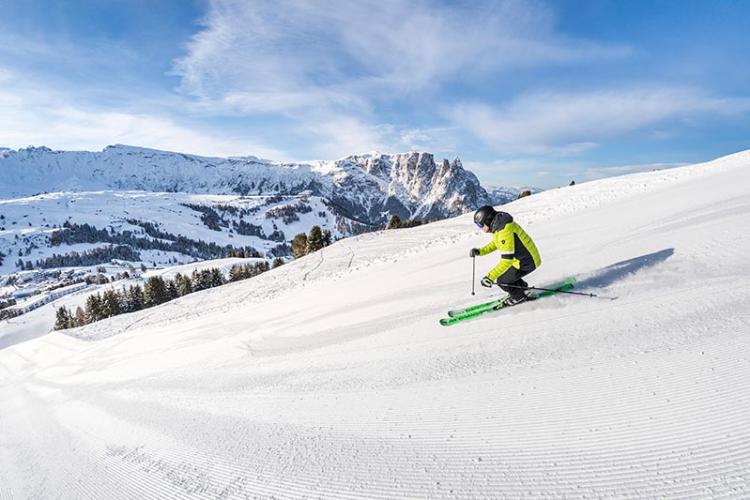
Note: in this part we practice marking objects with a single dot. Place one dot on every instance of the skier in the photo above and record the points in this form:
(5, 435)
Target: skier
(519, 255)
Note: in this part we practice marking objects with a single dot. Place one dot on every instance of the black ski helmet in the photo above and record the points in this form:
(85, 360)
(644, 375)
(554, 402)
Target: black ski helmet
(484, 216)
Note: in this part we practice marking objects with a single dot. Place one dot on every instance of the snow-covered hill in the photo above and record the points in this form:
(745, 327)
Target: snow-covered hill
(367, 188)
(158, 228)
(330, 377)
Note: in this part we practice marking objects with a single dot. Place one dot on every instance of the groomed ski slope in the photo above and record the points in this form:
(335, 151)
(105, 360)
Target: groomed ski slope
(331, 378)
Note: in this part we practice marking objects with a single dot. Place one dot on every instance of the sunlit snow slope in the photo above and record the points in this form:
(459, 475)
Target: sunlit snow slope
(330, 377)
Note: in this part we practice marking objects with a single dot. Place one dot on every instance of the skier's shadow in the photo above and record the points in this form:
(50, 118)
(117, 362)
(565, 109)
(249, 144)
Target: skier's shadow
(614, 272)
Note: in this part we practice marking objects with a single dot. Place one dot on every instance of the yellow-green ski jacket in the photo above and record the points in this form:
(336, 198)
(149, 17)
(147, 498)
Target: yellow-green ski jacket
(516, 247)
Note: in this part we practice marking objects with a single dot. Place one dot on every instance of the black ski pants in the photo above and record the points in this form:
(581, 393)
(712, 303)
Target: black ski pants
(513, 277)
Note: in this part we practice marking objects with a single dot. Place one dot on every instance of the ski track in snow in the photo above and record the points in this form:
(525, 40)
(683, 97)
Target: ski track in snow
(330, 377)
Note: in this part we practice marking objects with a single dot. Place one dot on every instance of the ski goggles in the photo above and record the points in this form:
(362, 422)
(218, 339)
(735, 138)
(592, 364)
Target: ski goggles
(479, 225)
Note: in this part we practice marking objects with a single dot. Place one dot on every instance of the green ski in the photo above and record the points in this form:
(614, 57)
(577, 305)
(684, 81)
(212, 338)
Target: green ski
(459, 315)
(477, 307)
(564, 285)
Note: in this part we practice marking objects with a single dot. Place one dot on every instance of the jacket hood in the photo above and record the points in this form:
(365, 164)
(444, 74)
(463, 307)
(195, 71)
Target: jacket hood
(500, 220)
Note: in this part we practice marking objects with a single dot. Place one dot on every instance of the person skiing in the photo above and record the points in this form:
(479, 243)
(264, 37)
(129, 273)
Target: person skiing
(519, 255)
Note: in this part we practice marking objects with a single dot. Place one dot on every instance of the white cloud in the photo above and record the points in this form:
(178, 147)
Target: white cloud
(36, 115)
(342, 136)
(292, 54)
(435, 139)
(564, 123)
(330, 61)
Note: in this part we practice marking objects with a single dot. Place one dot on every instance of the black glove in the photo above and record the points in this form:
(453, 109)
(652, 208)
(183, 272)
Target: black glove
(486, 282)
(474, 252)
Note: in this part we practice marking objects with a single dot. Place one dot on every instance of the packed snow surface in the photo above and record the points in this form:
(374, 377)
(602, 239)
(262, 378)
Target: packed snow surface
(331, 377)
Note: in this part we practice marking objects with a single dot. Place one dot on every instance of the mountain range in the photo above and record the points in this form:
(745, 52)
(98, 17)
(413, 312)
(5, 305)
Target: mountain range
(136, 194)
(368, 188)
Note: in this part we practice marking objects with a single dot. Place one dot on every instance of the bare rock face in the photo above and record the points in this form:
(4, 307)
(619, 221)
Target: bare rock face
(414, 186)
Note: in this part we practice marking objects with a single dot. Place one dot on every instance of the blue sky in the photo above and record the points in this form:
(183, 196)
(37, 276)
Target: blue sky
(524, 92)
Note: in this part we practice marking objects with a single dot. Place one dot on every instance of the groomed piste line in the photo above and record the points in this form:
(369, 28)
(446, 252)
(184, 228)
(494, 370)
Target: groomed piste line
(611, 465)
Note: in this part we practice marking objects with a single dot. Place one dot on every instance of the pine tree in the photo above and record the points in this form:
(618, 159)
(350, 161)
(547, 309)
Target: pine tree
(172, 291)
(184, 285)
(524, 194)
(394, 223)
(154, 292)
(63, 319)
(205, 279)
(278, 261)
(201, 280)
(80, 317)
(299, 246)
(93, 308)
(125, 304)
(326, 237)
(135, 298)
(254, 269)
(216, 278)
(236, 273)
(110, 303)
(195, 281)
(315, 240)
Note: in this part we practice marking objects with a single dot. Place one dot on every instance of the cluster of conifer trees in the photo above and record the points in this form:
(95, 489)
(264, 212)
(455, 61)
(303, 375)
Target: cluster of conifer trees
(89, 257)
(72, 233)
(245, 271)
(156, 290)
(302, 244)
(209, 216)
(397, 223)
(288, 213)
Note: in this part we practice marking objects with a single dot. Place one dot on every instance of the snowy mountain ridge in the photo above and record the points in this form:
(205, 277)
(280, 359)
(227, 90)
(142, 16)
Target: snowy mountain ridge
(366, 188)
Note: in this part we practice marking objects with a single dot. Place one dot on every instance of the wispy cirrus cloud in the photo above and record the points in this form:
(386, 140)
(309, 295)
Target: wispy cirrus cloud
(289, 54)
(565, 123)
(327, 62)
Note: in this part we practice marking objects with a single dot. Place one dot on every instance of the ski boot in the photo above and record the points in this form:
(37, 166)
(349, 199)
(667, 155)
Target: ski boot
(511, 301)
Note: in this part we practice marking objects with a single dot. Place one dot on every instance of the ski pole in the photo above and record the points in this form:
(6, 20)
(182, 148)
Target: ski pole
(473, 272)
(593, 295)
